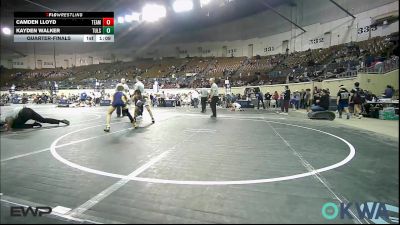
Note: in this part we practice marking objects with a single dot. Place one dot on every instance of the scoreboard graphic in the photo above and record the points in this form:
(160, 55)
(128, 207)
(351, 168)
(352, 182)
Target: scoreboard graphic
(63, 26)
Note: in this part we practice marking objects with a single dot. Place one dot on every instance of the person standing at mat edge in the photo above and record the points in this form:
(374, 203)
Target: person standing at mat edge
(286, 100)
(213, 97)
(260, 98)
(357, 98)
(343, 98)
(20, 115)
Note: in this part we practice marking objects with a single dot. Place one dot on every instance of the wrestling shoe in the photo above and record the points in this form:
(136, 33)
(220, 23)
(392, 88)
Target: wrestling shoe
(66, 122)
(36, 124)
(107, 129)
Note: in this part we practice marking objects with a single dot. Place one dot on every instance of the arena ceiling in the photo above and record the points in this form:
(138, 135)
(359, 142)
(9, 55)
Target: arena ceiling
(175, 28)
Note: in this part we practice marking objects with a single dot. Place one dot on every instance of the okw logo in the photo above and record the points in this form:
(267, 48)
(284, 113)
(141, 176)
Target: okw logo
(376, 212)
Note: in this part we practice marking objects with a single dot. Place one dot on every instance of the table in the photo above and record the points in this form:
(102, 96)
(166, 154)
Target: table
(105, 102)
(170, 102)
(372, 108)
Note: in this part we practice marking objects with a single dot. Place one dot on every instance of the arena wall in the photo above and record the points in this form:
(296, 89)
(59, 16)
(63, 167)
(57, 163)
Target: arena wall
(377, 82)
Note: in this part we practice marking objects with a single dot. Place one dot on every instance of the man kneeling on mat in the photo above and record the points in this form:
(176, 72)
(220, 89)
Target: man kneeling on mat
(119, 100)
(19, 116)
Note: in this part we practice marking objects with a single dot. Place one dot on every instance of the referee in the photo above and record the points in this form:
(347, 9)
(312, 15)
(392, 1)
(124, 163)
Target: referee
(213, 97)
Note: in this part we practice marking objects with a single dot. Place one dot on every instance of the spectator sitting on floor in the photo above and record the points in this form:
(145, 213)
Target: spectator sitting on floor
(236, 107)
(321, 104)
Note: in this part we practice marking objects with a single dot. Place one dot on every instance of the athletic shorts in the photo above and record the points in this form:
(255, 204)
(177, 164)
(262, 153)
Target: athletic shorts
(357, 100)
(118, 105)
(145, 102)
(343, 104)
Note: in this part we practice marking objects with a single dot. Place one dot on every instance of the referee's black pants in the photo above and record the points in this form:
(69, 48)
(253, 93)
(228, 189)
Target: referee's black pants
(203, 104)
(258, 103)
(213, 105)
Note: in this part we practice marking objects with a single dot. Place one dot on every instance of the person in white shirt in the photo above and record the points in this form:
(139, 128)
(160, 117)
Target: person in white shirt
(162, 99)
(213, 97)
(97, 96)
(126, 91)
(195, 97)
(186, 100)
(123, 83)
(140, 86)
(236, 107)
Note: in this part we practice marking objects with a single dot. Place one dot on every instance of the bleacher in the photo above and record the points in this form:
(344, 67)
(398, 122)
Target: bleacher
(196, 65)
(163, 68)
(313, 64)
(222, 65)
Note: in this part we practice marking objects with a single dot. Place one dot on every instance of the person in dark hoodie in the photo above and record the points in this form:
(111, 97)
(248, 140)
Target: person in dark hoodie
(321, 104)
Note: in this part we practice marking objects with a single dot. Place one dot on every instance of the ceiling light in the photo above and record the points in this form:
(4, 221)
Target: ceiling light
(153, 12)
(6, 30)
(128, 18)
(135, 16)
(204, 2)
(182, 5)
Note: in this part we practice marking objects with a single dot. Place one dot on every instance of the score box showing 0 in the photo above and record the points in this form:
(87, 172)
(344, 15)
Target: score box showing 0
(108, 30)
(108, 22)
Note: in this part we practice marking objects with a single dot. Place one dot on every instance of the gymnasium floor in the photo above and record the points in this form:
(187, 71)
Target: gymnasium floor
(243, 167)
